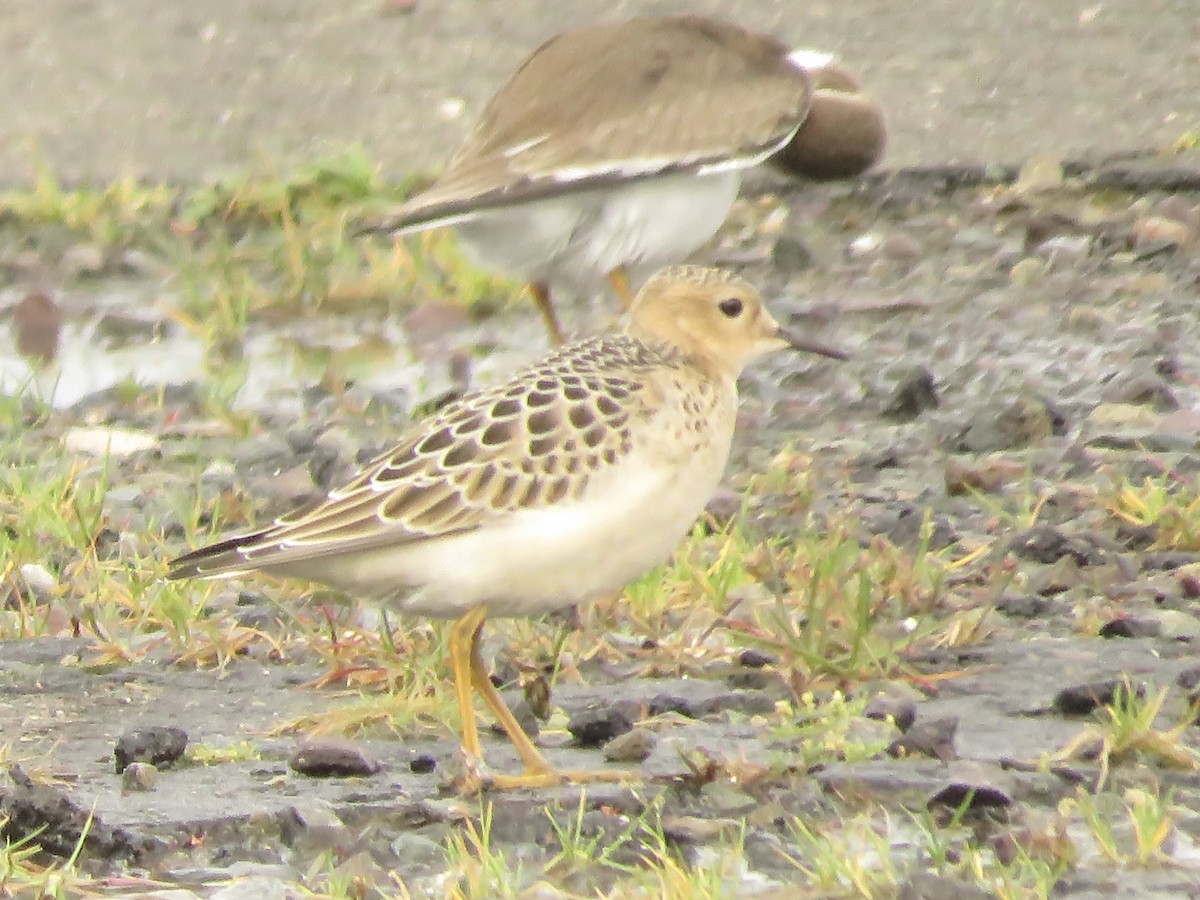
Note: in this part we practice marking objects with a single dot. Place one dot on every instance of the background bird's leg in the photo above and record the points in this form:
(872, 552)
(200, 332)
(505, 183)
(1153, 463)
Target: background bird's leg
(535, 763)
(463, 634)
(541, 299)
(620, 285)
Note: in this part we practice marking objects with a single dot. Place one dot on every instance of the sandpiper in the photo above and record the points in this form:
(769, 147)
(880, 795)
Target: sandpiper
(564, 483)
(619, 148)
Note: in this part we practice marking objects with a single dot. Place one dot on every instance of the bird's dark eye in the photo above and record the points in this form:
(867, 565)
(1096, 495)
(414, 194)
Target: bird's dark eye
(731, 308)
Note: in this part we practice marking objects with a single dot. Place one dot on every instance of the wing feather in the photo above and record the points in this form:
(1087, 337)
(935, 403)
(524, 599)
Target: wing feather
(534, 441)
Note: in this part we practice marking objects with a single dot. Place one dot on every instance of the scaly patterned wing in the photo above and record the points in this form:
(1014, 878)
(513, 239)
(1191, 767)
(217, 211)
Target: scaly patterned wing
(534, 441)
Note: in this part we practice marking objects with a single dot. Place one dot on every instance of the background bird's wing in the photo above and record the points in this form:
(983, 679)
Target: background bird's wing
(616, 102)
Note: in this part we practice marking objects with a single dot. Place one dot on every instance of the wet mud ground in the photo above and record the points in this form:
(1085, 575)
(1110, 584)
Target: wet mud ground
(1022, 352)
(1024, 355)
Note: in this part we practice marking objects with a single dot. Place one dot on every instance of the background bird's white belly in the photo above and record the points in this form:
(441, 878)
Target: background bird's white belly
(541, 560)
(574, 240)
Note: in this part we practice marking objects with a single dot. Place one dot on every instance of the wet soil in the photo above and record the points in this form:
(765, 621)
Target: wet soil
(1017, 351)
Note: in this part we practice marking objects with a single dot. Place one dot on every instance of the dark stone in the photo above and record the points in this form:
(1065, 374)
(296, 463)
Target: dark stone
(665, 703)
(1169, 560)
(422, 765)
(915, 392)
(159, 745)
(755, 659)
(1025, 421)
(752, 680)
(1082, 699)
(1023, 606)
(1047, 544)
(750, 703)
(59, 823)
(1129, 627)
(791, 254)
(933, 738)
(1189, 678)
(596, 726)
(1141, 388)
(333, 757)
(977, 796)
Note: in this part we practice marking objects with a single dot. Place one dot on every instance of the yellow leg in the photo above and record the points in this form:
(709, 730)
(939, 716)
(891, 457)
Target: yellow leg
(620, 285)
(462, 635)
(530, 755)
(541, 299)
(538, 771)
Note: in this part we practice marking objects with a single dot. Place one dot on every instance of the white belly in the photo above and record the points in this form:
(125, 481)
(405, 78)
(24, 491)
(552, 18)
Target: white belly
(573, 241)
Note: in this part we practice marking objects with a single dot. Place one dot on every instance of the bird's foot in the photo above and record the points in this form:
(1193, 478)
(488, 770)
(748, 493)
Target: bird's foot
(467, 775)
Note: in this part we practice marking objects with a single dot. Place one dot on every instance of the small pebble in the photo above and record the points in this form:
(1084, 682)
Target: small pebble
(933, 738)
(333, 757)
(632, 746)
(159, 744)
(422, 765)
(139, 776)
(594, 727)
(755, 659)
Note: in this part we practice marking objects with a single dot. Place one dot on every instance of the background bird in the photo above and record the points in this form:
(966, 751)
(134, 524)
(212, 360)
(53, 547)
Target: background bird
(567, 481)
(619, 147)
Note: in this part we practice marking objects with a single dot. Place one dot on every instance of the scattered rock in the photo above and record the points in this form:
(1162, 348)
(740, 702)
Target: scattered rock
(1082, 699)
(256, 887)
(1189, 678)
(38, 581)
(422, 764)
(598, 725)
(1140, 388)
(1128, 626)
(315, 821)
(986, 476)
(160, 745)
(901, 247)
(139, 776)
(632, 746)
(755, 659)
(36, 326)
(697, 830)
(978, 785)
(49, 812)
(915, 392)
(1023, 606)
(333, 757)
(748, 703)
(1024, 421)
(1151, 234)
(113, 442)
(790, 254)
(933, 738)
(1048, 544)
